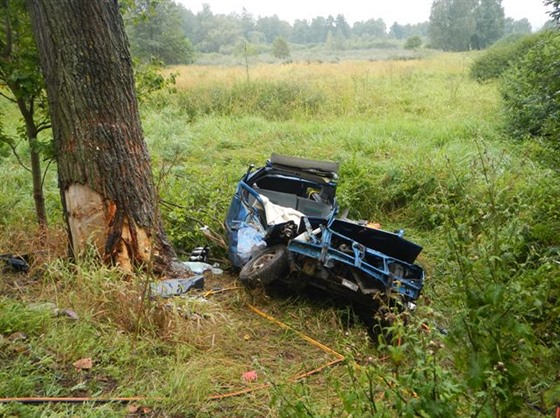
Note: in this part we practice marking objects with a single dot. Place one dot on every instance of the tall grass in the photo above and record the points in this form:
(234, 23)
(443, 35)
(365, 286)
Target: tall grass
(393, 126)
(346, 89)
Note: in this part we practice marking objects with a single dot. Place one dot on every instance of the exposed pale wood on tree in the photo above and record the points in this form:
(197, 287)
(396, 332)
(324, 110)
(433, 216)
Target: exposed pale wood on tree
(85, 216)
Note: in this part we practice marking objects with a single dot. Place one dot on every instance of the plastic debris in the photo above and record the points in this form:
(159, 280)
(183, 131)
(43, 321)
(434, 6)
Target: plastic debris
(83, 363)
(175, 287)
(198, 267)
(68, 313)
(15, 263)
(250, 241)
(249, 376)
(53, 309)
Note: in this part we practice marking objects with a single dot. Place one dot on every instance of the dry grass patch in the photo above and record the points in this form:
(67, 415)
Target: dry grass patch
(196, 76)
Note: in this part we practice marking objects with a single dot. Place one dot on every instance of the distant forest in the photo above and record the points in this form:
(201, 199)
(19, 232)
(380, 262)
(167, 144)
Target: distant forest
(169, 32)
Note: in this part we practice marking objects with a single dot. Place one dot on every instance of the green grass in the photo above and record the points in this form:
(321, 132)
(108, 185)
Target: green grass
(421, 146)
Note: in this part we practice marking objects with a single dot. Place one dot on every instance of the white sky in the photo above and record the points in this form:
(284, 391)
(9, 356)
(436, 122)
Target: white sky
(401, 11)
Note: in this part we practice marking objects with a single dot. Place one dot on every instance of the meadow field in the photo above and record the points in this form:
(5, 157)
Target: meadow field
(421, 147)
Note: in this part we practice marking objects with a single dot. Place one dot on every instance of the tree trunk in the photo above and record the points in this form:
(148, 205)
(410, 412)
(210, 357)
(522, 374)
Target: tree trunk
(26, 109)
(104, 171)
(16, 58)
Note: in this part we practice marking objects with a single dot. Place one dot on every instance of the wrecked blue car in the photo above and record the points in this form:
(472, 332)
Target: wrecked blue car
(282, 227)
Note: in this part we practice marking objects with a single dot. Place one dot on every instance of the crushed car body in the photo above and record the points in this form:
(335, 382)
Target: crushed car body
(282, 226)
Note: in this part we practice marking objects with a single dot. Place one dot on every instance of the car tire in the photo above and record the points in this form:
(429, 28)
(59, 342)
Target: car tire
(266, 266)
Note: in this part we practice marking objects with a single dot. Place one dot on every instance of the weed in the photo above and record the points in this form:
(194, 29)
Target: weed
(17, 318)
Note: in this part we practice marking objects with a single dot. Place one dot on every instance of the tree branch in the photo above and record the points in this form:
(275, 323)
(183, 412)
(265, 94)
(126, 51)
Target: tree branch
(14, 151)
(9, 98)
(45, 174)
(42, 126)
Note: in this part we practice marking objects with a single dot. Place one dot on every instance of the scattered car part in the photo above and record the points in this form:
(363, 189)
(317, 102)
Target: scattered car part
(15, 263)
(201, 254)
(175, 287)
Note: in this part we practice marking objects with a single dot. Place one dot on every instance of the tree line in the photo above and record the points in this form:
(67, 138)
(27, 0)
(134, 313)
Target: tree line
(173, 34)
(460, 25)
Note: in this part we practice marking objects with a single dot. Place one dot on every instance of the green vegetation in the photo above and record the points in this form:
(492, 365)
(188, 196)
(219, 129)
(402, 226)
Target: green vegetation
(526, 67)
(555, 12)
(22, 84)
(168, 32)
(503, 55)
(280, 48)
(461, 25)
(414, 42)
(155, 31)
(531, 90)
(421, 146)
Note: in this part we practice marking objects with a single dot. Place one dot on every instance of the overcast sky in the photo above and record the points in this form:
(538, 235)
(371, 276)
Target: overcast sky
(401, 11)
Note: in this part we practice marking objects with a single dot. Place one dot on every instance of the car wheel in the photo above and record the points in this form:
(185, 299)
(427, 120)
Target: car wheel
(266, 267)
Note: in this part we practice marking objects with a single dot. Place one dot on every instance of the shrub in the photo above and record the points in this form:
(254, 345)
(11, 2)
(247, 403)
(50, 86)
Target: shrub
(414, 42)
(149, 79)
(500, 56)
(531, 88)
(501, 328)
(280, 48)
(193, 211)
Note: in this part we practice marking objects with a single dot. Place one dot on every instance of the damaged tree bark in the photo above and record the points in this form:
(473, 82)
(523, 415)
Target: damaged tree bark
(104, 169)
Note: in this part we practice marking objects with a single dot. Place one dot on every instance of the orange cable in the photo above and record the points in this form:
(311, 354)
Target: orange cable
(300, 334)
(76, 400)
(213, 292)
(316, 343)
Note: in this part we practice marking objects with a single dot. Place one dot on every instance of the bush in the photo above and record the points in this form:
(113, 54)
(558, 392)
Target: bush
(414, 42)
(530, 90)
(280, 48)
(502, 55)
(194, 210)
(501, 327)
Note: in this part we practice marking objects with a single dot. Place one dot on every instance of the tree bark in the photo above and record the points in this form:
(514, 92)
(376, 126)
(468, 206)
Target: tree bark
(104, 169)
